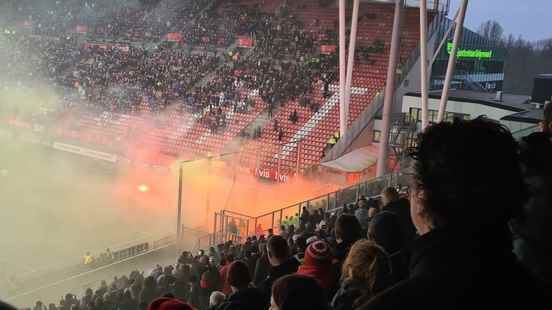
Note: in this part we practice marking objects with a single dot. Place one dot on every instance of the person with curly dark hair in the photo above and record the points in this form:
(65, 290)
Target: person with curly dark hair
(466, 186)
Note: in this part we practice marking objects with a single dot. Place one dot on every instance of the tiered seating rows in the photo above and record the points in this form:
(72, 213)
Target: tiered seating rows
(375, 25)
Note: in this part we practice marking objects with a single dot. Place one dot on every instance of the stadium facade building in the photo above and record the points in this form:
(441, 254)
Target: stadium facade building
(480, 63)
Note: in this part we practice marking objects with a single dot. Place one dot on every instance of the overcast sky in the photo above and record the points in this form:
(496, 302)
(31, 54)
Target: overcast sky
(530, 18)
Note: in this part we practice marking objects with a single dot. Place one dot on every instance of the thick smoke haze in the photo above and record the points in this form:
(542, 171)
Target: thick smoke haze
(54, 206)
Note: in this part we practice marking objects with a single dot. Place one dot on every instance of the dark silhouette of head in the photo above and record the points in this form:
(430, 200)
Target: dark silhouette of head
(277, 249)
(293, 292)
(238, 275)
(389, 195)
(466, 173)
(347, 228)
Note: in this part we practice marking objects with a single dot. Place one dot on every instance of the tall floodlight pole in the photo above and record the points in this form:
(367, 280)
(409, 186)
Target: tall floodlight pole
(452, 59)
(351, 58)
(179, 202)
(342, 74)
(179, 207)
(424, 64)
(390, 89)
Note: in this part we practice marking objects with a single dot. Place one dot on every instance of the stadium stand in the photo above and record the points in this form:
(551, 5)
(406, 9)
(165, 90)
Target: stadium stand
(196, 102)
(303, 141)
(129, 86)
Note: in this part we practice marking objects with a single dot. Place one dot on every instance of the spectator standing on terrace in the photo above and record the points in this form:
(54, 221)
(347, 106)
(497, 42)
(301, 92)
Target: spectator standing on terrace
(317, 263)
(243, 296)
(182, 285)
(185, 258)
(148, 293)
(109, 255)
(294, 117)
(127, 302)
(210, 282)
(227, 261)
(347, 232)
(88, 297)
(281, 262)
(305, 216)
(392, 228)
(262, 265)
(102, 289)
(461, 258)
(39, 306)
(361, 213)
(394, 203)
(88, 259)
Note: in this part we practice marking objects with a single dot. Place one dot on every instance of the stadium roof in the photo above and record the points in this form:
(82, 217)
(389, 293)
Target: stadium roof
(533, 116)
(355, 161)
(514, 103)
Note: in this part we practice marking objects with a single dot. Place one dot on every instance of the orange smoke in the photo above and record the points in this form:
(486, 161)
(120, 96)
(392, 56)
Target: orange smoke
(210, 186)
(148, 180)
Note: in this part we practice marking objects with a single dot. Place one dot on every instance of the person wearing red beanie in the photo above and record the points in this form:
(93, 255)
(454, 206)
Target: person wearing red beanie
(165, 303)
(318, 264)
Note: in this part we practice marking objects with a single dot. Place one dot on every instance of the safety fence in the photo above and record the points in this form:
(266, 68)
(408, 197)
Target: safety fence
(518, 135)
(281, 161)
(233, 226)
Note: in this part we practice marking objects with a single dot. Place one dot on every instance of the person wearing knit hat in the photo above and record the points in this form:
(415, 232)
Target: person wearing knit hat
(318, 264)
(165, 303)
(312, 239)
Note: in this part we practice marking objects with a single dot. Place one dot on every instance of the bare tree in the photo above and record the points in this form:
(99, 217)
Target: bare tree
(492, 31)
(523, 62)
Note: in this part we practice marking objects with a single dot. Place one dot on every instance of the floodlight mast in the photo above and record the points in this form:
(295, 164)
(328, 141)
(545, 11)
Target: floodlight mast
(389, 94)
(452, 59)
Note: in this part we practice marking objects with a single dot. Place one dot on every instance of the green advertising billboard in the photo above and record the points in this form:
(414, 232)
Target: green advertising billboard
(479, 54)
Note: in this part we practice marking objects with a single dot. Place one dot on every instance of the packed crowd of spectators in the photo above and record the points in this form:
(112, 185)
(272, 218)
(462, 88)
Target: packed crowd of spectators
(461, 237)
(284, 65)
(141, 20)
(120, 81)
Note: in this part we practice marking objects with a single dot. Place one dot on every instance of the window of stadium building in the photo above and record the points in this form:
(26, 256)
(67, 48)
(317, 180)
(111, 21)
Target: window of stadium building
(415, 115)
(377, 136)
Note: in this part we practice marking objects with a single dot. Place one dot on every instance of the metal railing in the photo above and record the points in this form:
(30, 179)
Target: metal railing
(51, 274)
(441, 6)
(283, 158)
(245, 226)
(518, 135)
